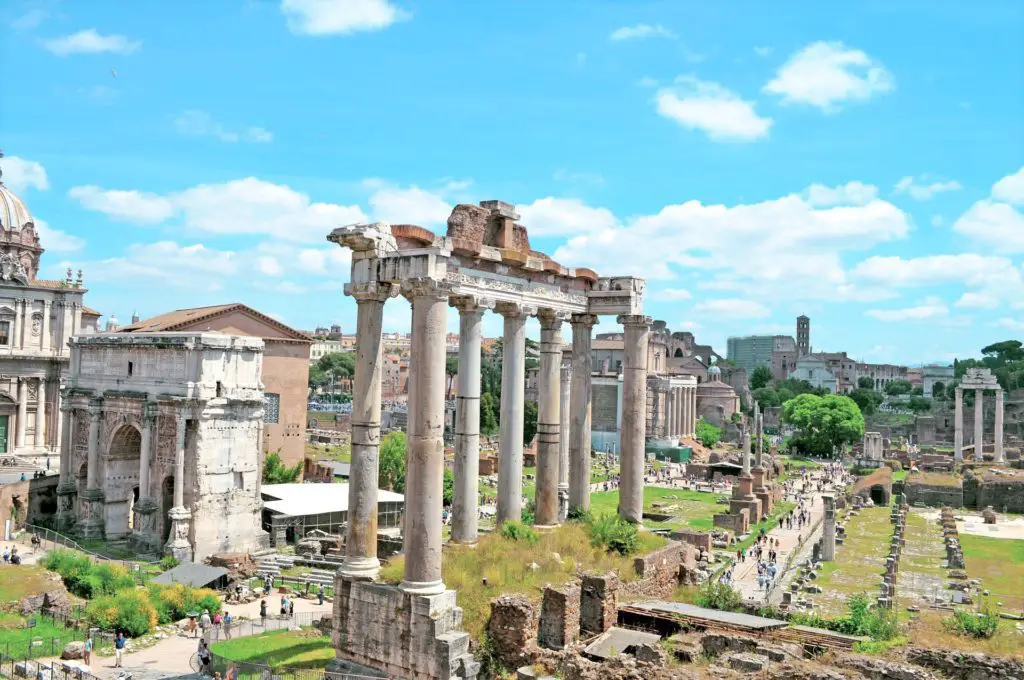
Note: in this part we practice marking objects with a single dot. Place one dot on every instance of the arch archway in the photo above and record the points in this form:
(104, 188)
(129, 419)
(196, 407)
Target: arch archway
(678, 353)
(167, 502)
(121, 479)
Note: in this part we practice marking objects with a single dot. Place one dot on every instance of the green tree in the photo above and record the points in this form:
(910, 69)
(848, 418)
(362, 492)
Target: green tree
(824, 425)
(448, 494)
(339, 365)
(867, 400)
(1005, 351)
(451, 369)
(391, 465)
(276, 472)
(866, 382)
(767, 397)
(488, 417)
(917, 391)
(939, 390)
(760, 377)
(897, 387)
(529, 422)
(797, 387)
(919, 404)
(708, 434)
(317, 377)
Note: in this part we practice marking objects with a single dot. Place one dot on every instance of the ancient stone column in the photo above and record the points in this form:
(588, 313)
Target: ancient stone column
(510, 435)
(549, 418)
(65, 445)
(40, 433)
(688, 411)
(634, 407)
(745, 445)
(958, 425)
(563, 441)
(998, 434)
(361, 541)
(45, 339)
(19, 306)
(828, 536)
(92, 523)
(579, 423)
(92, 464)
(179, 516)
(979, 432)
(146, 452)
(467, 422)
(19, 441)
(66, 488)
(424, 480)
(145, 509)
(759, 432)
(670, 416)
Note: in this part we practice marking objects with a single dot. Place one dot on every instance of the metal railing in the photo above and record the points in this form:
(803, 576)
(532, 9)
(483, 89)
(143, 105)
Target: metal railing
(56, 538)
(258, 626)
(255, 671)
(12, 667)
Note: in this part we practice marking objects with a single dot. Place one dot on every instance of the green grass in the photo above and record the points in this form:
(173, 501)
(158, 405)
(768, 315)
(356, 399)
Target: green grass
(499, 565)
(341, 454)
(306, 648)
(999, 563)
(899, 475)
(694, 509)
(859, 562)
(16, 639)
(17, 582)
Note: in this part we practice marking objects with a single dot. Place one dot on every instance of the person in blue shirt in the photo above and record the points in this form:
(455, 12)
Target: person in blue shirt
(118, 650)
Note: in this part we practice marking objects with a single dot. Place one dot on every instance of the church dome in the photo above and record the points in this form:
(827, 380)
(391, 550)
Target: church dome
(14, 215)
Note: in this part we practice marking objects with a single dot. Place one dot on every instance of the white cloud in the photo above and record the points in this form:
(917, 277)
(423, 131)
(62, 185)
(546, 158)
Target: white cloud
(56, 241)
(269, 265)
(851, 193)
(931, 309)
(931, 270)
(977, 301)
(340, 17)
(1011, 323)
(1010, 189)
(165, 263)
(826, 74)
(20, 174)
(243, 206)
(763, 51)
(732, 308)
(407, 205)
(720, 113)
(671, 294)
(333, 260)
(998, 225)
(687, 325)
(194, 123)
(641, 31)
(563, 216)
(127, 206)
(924, 190)
(90, 41)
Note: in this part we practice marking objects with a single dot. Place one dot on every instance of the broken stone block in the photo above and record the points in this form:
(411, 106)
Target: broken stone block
(745, 662)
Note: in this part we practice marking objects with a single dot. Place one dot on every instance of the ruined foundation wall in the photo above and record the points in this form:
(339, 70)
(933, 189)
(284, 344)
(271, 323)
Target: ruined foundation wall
(935, 496)
(1003, 495)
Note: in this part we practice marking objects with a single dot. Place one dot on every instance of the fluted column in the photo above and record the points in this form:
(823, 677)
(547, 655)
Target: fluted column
(579, 421)
(66, 488)
(691, 410)
(758, 430)
(998, 434)
(179, 516)
(684, 411)
(634, 402)
(563, 441)
(958, 424)
(425, 455)
(40, 434)
(92, 457)
(745, 445)
(19, 441)
(19, 321)
(467, 422)
(146, 451)
(361, 540)
(979, 431)
(92, 522)
(65, 445)
(513, 376)
(670, 413)
(44, 342)
(549, 418)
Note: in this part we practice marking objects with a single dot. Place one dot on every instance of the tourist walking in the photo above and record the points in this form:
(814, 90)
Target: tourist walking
(263, 612)
(118, 649)
(320, 595)
(87, 654)
(228, 620)
(204, 621)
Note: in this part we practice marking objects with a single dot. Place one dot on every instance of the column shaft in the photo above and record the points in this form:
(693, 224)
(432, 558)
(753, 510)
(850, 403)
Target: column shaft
(579, 421)
(758, 430)
(634, 398)
(65, 445)
(998, 434)
(92, 458)
(179, 463)
(510, 455)
(19, 440)
(40, 434)
(467, 424)
(361, 540)
(670, 413)
(145, 456)
(958, 425)
(44, 342)
(549, 418)
(425, 455)
(19, 315)
(979, 432)
(563, 440)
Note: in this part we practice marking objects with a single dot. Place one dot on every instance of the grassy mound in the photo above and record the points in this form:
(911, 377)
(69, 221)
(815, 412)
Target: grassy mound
(306, 648)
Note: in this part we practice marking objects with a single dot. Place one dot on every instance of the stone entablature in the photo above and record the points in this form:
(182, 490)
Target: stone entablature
(162, 441)
(979, 380)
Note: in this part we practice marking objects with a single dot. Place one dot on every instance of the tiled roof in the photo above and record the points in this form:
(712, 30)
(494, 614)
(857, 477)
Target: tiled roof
(89, 311)
(180, 318)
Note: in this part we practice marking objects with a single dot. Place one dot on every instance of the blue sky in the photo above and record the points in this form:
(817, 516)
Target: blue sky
(862, 164)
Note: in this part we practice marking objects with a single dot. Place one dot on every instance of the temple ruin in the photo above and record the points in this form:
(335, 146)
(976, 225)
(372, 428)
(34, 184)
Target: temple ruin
(979, 380)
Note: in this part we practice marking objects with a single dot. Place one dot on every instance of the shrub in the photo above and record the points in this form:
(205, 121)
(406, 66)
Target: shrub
(517, 531)
(613, 533)
(86, 579)
(168, 562)
(173, 603)
(128, 611)
(578, 514)
(720, 596)
(982, 624)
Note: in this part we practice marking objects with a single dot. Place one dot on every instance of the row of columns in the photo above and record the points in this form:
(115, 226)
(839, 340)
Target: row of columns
(21, 332)
(21, 426)
(680, 409)
(563, 467)
(979, 430)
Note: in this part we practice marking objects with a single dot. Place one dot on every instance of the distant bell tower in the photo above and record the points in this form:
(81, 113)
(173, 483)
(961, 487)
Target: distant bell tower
(803, 336)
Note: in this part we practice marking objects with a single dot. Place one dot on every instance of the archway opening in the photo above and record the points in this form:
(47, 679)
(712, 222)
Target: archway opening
(167, 502)
(121, 476)
(878, 496)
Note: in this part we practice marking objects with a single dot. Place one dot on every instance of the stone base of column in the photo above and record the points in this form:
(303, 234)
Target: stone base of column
(177, 543)
(66, 515)
(426, 588)
(360, 568)
(563, 502)
(91, 524)
(144, 535)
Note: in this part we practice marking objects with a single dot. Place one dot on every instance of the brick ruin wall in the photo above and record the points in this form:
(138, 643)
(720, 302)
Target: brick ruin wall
(934, 495)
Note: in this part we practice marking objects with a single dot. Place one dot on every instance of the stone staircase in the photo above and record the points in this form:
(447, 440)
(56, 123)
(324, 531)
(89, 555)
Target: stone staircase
(271, 564)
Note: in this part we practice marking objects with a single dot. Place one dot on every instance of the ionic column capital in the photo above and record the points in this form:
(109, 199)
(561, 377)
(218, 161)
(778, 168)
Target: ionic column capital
(634, 320)
(413, 289)
(471, 304)
(514, 309)
(371, 291)
(586, 320)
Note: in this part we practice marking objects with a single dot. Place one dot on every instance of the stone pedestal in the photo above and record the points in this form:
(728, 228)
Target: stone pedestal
(91, 523)
(66, 516)
(743, 498)
(144, 534)
(762, 490)
(177, 543)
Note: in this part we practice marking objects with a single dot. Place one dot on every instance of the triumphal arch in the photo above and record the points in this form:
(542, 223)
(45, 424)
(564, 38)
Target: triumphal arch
(484, 263)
